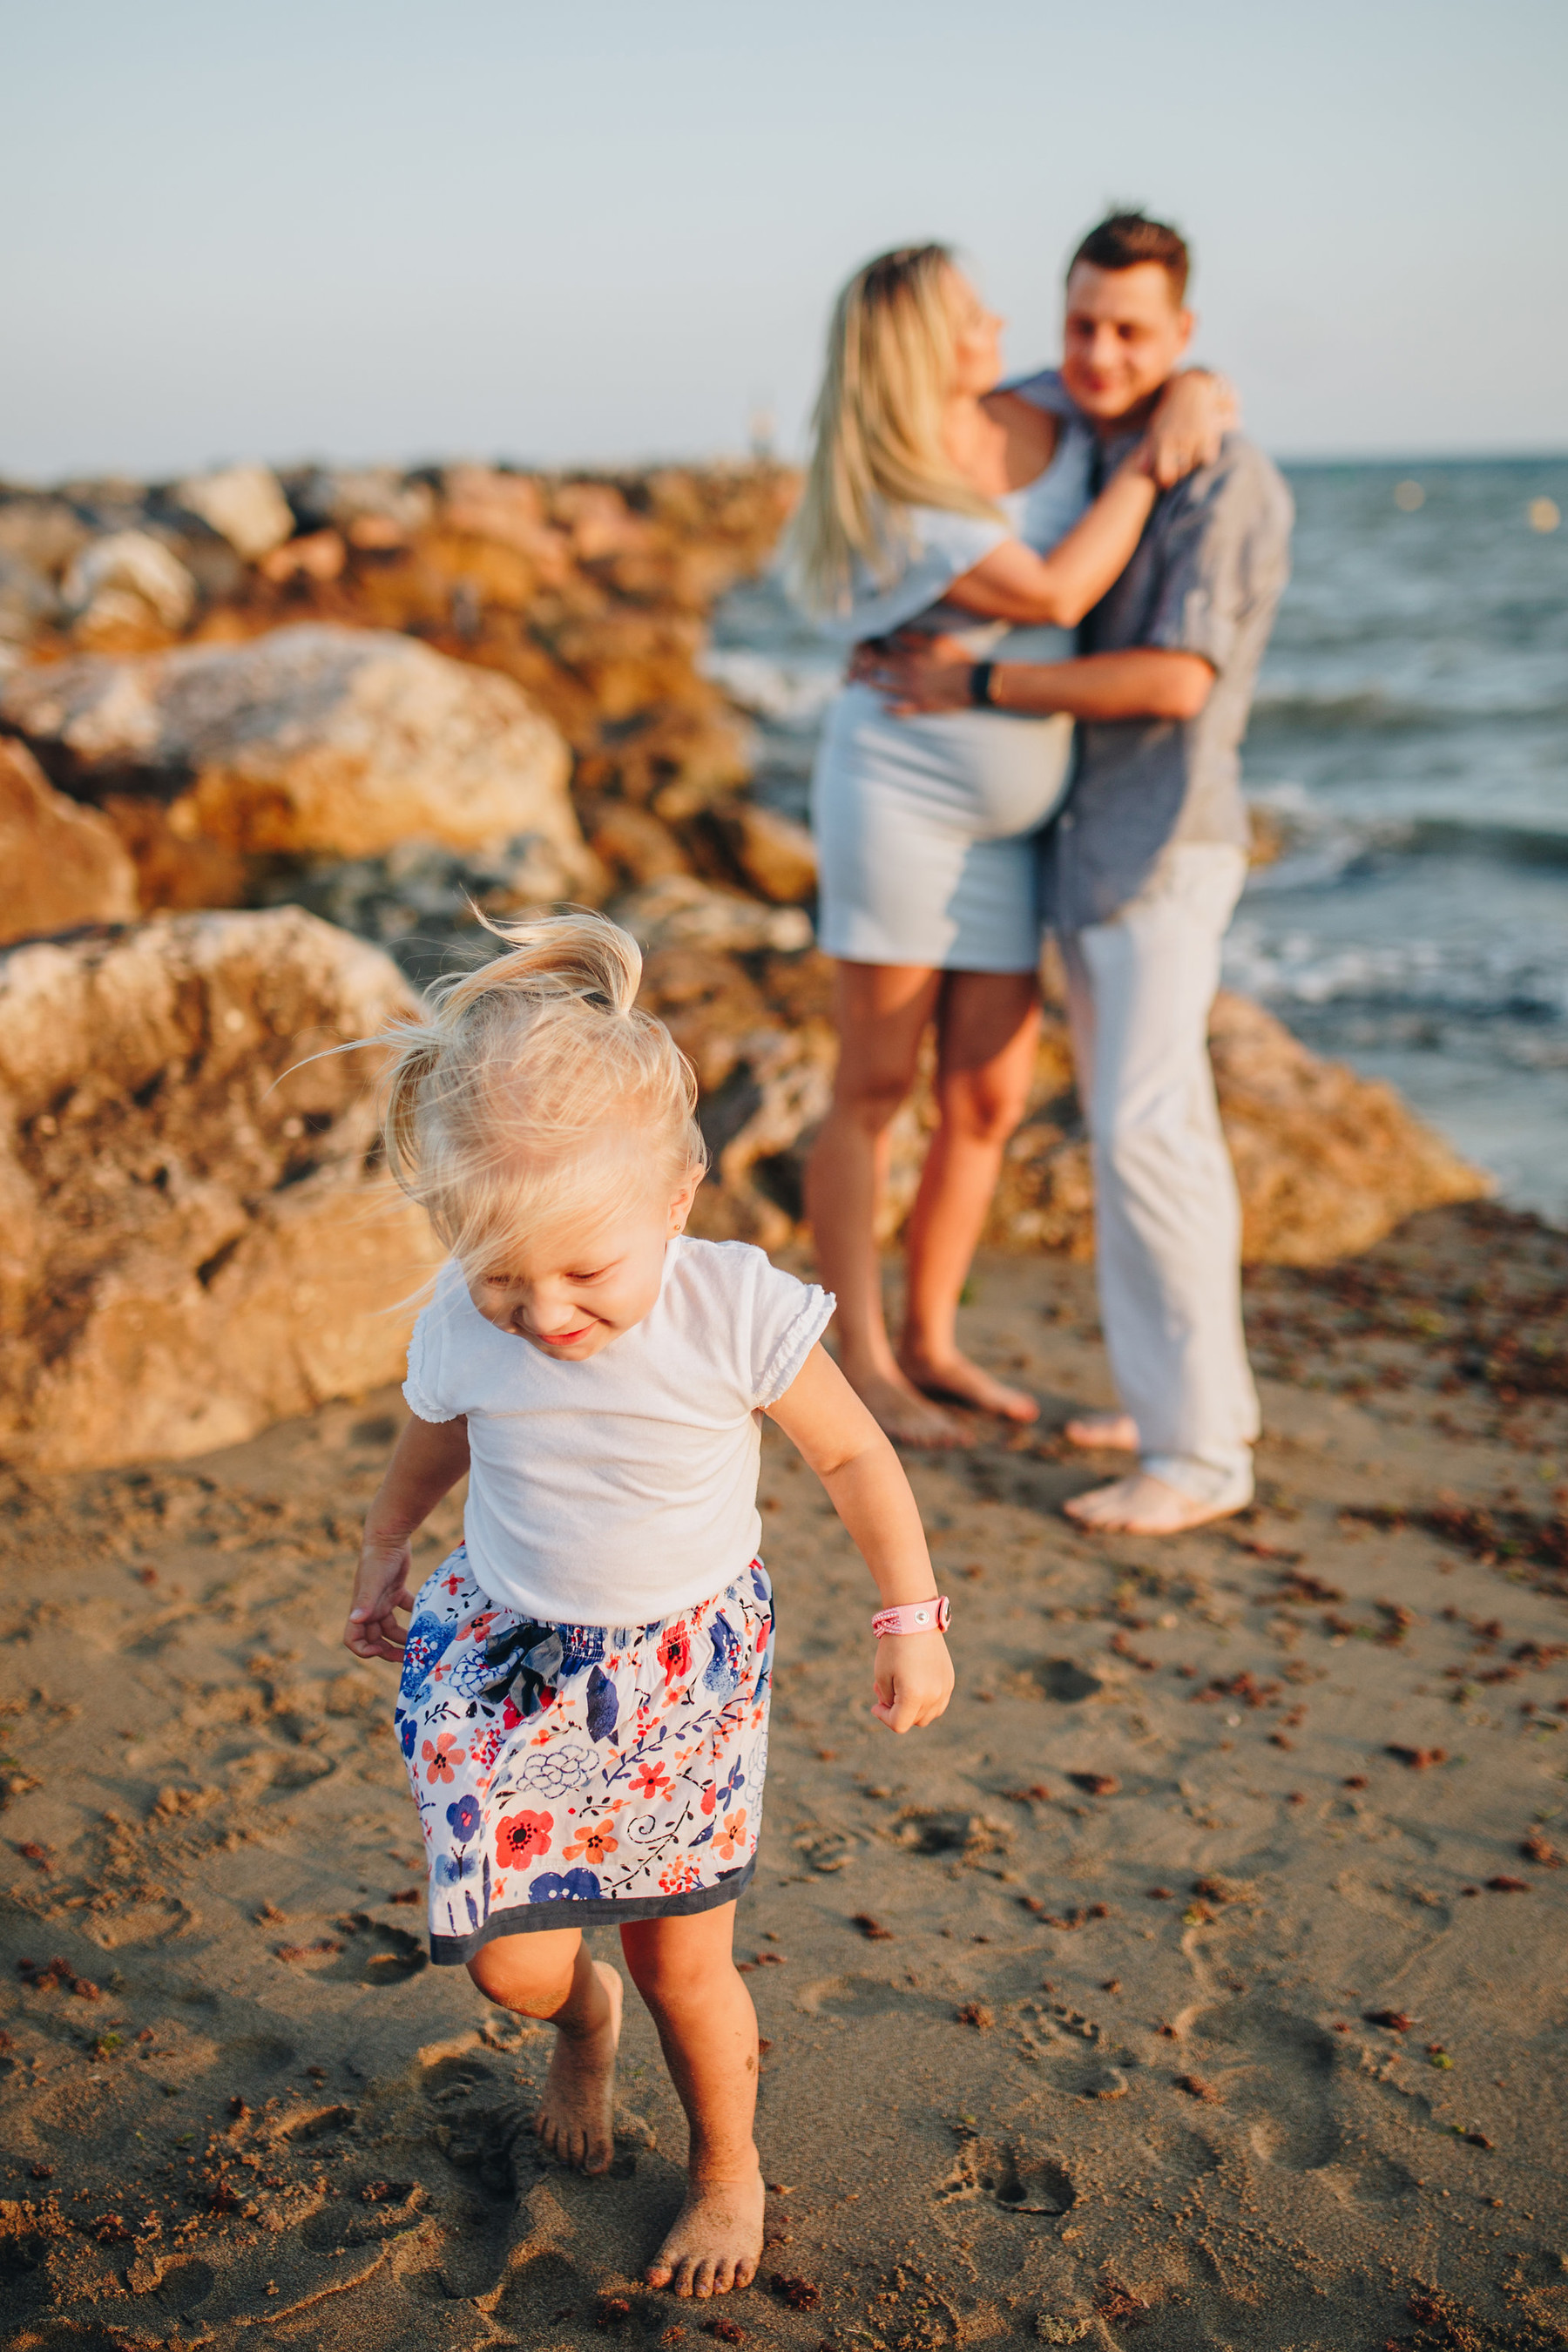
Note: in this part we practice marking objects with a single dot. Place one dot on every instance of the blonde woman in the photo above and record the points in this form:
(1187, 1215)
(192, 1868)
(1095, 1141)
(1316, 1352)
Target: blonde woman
(931, 506)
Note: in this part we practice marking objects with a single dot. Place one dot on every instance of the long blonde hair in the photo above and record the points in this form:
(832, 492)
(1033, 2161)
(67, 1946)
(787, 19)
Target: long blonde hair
(535, 1087)
(877, 424)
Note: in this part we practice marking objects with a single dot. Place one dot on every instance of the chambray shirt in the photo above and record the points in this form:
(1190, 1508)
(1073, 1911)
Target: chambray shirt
(1207, 578)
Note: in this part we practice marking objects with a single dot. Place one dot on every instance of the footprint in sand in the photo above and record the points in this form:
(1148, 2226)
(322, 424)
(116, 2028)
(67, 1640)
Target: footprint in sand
(1274, 2074)
(1019, 2179)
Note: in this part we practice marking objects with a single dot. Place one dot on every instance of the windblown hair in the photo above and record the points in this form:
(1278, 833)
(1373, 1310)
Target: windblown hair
(877, 423)
(535, 1087)
(1124, 239)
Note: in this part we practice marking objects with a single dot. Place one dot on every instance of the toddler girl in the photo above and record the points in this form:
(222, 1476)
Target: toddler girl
(585, 1697)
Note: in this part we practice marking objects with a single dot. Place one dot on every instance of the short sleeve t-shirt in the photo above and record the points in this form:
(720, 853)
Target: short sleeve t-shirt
(623, 1489)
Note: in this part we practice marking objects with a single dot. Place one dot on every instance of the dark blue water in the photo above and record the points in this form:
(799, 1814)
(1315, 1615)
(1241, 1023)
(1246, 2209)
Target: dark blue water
(1410, 743)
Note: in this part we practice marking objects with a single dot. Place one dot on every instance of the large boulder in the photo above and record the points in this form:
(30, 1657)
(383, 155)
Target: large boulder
(192, 1240)
(64, 864)
(315, 741)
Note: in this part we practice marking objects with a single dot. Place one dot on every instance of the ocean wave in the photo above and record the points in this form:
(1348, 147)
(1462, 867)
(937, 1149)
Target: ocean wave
(785, 694)
(1430, 976)
(1371, 711)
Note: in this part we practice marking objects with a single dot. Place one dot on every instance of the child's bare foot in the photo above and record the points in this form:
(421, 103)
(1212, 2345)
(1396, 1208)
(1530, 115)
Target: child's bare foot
(908, 1417)
(1143, 1504)
(953, 1375)
(716, 2243)
(1103, 1432)
(577, 2119)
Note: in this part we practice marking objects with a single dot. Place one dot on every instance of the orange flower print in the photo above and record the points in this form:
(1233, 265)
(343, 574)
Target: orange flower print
(675, 1650)
(709, 1797)
(678, 1876)
(591, 1842)
(522, 1835)
(651, 1780)
(732, 1834)
(438, 1754)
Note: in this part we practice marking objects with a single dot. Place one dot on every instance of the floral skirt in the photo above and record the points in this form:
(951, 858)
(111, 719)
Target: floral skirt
(570, 1774)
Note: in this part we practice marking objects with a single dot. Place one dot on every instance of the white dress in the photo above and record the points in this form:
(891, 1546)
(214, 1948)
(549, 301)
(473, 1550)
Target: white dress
(925, 827)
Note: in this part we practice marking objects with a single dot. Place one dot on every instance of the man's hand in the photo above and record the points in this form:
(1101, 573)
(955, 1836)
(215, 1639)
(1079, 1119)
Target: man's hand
(914, 1680)
(915, 673)
(1195, 411)
(381, 1583)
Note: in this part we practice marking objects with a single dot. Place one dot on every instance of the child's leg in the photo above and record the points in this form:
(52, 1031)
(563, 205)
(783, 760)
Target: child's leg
(550, 1975)
(683, 1969)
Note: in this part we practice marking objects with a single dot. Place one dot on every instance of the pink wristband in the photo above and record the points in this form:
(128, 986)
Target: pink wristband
(914, 1617)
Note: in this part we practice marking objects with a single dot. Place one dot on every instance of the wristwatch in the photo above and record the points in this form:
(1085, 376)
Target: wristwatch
(980, 693)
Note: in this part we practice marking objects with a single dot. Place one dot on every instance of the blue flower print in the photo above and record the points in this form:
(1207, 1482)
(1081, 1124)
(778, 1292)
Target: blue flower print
(580, 1645)
(425, 1644)
(464, 1817)
(408, 1731)
(724, 1669)
(564, 1886)
(761, 1586)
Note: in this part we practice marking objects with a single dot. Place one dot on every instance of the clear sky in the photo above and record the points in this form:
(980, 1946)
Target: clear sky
(363, 228)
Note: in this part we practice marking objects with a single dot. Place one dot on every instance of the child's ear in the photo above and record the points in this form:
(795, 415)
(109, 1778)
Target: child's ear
(681, 1207)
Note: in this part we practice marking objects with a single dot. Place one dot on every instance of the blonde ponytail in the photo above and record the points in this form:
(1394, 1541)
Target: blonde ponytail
(535, 1087)
(878, 447)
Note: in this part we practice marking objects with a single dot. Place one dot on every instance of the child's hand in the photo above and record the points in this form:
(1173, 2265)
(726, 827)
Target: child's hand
(380, 1585)
(914, 1680)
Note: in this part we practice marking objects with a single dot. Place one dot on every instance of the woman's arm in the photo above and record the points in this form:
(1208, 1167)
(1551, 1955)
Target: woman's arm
(1194, 412)
(835, 1434)
(426, 1463)
(921, 674)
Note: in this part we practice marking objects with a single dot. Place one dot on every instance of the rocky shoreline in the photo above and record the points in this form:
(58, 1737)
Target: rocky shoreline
(258, 729)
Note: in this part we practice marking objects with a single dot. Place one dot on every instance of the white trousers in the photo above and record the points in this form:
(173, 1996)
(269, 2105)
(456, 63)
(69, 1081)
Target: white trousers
(1167, 1217)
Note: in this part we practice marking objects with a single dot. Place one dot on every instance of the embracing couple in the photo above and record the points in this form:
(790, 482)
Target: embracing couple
(1059, 592)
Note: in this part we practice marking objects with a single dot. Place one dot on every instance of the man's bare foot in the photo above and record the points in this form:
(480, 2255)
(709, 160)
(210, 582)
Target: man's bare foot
(577, 2119)
(1103, 1432)
(716, 2243)
(908, 1417)
(1143, 1504)
(956, 1378)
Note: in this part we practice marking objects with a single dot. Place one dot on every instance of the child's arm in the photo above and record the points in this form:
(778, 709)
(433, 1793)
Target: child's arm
(426, 1463)
(832, 1431)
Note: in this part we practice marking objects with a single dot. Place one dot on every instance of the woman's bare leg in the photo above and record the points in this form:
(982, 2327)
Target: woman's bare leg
(685, 1970)
(882, 1010)
(987, 1025)
(550, 1975)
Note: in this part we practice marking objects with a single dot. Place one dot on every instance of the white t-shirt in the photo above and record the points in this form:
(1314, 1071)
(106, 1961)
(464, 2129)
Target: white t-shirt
(623, 1489)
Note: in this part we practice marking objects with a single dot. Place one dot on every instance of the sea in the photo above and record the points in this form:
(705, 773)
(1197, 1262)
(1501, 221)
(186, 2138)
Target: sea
(1409, 751)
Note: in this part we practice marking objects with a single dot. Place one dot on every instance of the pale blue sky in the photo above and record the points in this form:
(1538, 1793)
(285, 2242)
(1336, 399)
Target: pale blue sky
(555, 232)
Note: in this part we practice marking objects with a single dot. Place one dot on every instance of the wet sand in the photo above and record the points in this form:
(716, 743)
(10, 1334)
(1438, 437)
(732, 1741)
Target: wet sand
(1072, 2002)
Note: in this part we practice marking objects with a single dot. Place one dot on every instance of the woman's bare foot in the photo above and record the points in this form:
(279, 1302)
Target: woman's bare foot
(716, 2243)
(577, 2119)
(908, 1417)
(964, 1383)
(1143, 1504)
(1103, 1432)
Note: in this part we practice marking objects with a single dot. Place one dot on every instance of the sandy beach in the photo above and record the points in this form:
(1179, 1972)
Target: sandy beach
(1200, 1976)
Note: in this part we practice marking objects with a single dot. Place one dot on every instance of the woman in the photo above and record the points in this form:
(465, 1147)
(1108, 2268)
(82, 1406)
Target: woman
(929, 506)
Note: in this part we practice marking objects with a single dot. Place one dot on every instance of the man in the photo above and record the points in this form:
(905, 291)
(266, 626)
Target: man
(1143, 870)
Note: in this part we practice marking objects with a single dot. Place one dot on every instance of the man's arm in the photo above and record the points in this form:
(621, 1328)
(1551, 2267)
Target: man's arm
(935, 674)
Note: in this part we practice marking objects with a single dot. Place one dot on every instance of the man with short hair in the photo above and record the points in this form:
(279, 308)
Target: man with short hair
(1143, 870)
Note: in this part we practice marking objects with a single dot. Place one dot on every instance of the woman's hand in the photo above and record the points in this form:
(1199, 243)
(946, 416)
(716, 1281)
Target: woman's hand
(382, 1584)
(915, 673)
(1195, 411)
(913, 1679)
